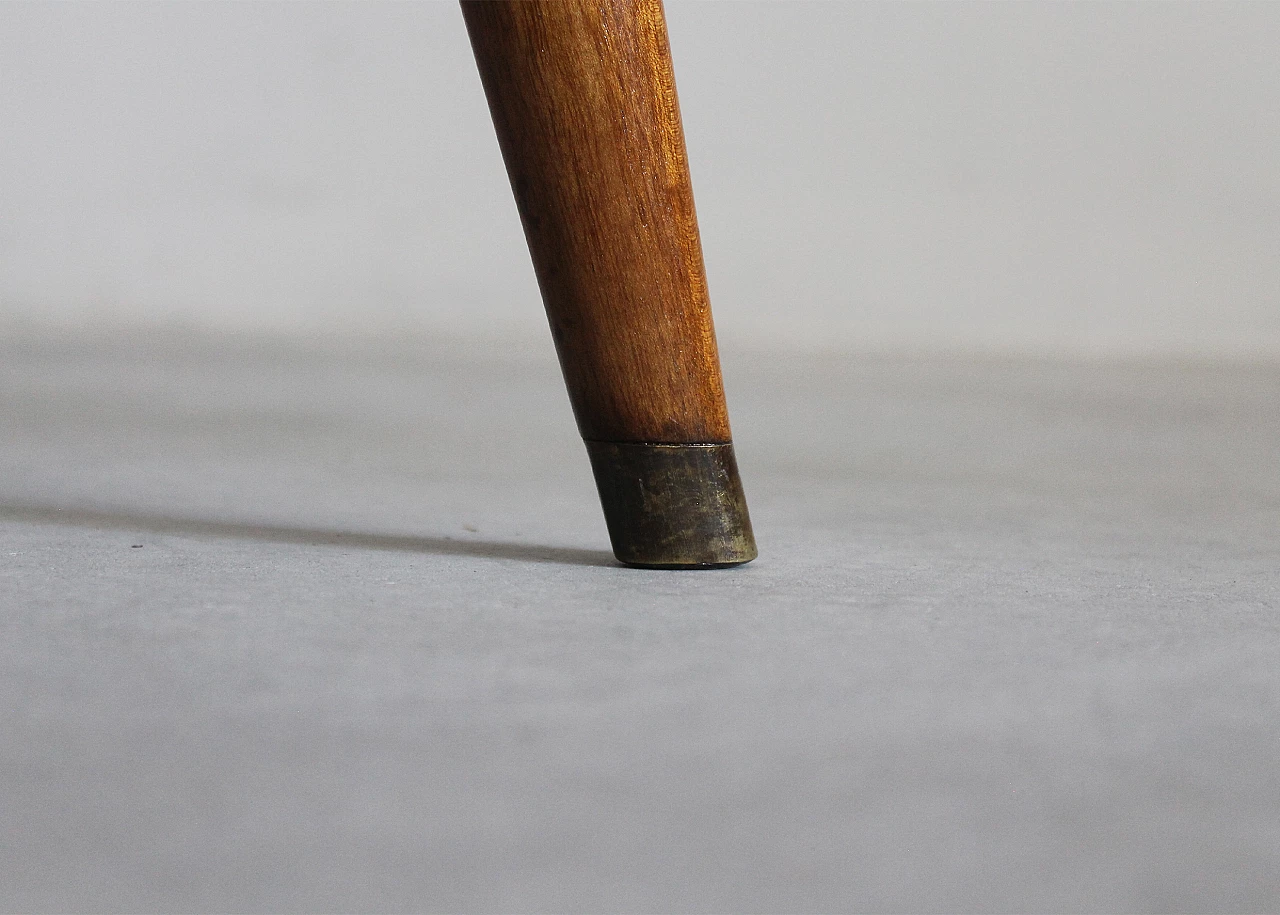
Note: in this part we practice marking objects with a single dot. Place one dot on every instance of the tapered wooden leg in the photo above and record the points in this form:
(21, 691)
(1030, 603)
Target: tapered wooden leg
(583, 99)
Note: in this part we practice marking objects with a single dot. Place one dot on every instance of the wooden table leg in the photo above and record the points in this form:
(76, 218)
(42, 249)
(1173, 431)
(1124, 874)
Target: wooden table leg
(584, 102)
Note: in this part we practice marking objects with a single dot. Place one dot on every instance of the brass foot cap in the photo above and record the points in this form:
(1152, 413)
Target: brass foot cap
(673, 506)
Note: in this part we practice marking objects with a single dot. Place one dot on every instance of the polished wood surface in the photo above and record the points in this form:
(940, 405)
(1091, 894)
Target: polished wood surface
(583, 98)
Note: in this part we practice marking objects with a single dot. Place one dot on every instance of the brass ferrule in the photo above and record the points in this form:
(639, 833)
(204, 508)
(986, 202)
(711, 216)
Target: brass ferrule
(673, 506)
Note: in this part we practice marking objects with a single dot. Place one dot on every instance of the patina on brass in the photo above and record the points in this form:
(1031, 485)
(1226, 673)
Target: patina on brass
(673, 506)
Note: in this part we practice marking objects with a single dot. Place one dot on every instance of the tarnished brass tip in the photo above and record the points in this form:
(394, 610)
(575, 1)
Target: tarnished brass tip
(673, 506)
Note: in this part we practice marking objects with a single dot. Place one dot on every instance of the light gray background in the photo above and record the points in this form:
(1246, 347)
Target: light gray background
(1012, 642)
(1049, 177)
(305, 597)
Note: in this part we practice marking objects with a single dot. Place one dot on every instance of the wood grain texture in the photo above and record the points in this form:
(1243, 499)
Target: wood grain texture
(583, 98)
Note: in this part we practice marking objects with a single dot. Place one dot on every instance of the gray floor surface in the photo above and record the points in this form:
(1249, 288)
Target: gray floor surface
(320, 626)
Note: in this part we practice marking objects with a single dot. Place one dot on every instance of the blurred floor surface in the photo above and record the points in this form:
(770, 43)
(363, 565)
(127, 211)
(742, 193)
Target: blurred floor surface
(321, 626)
